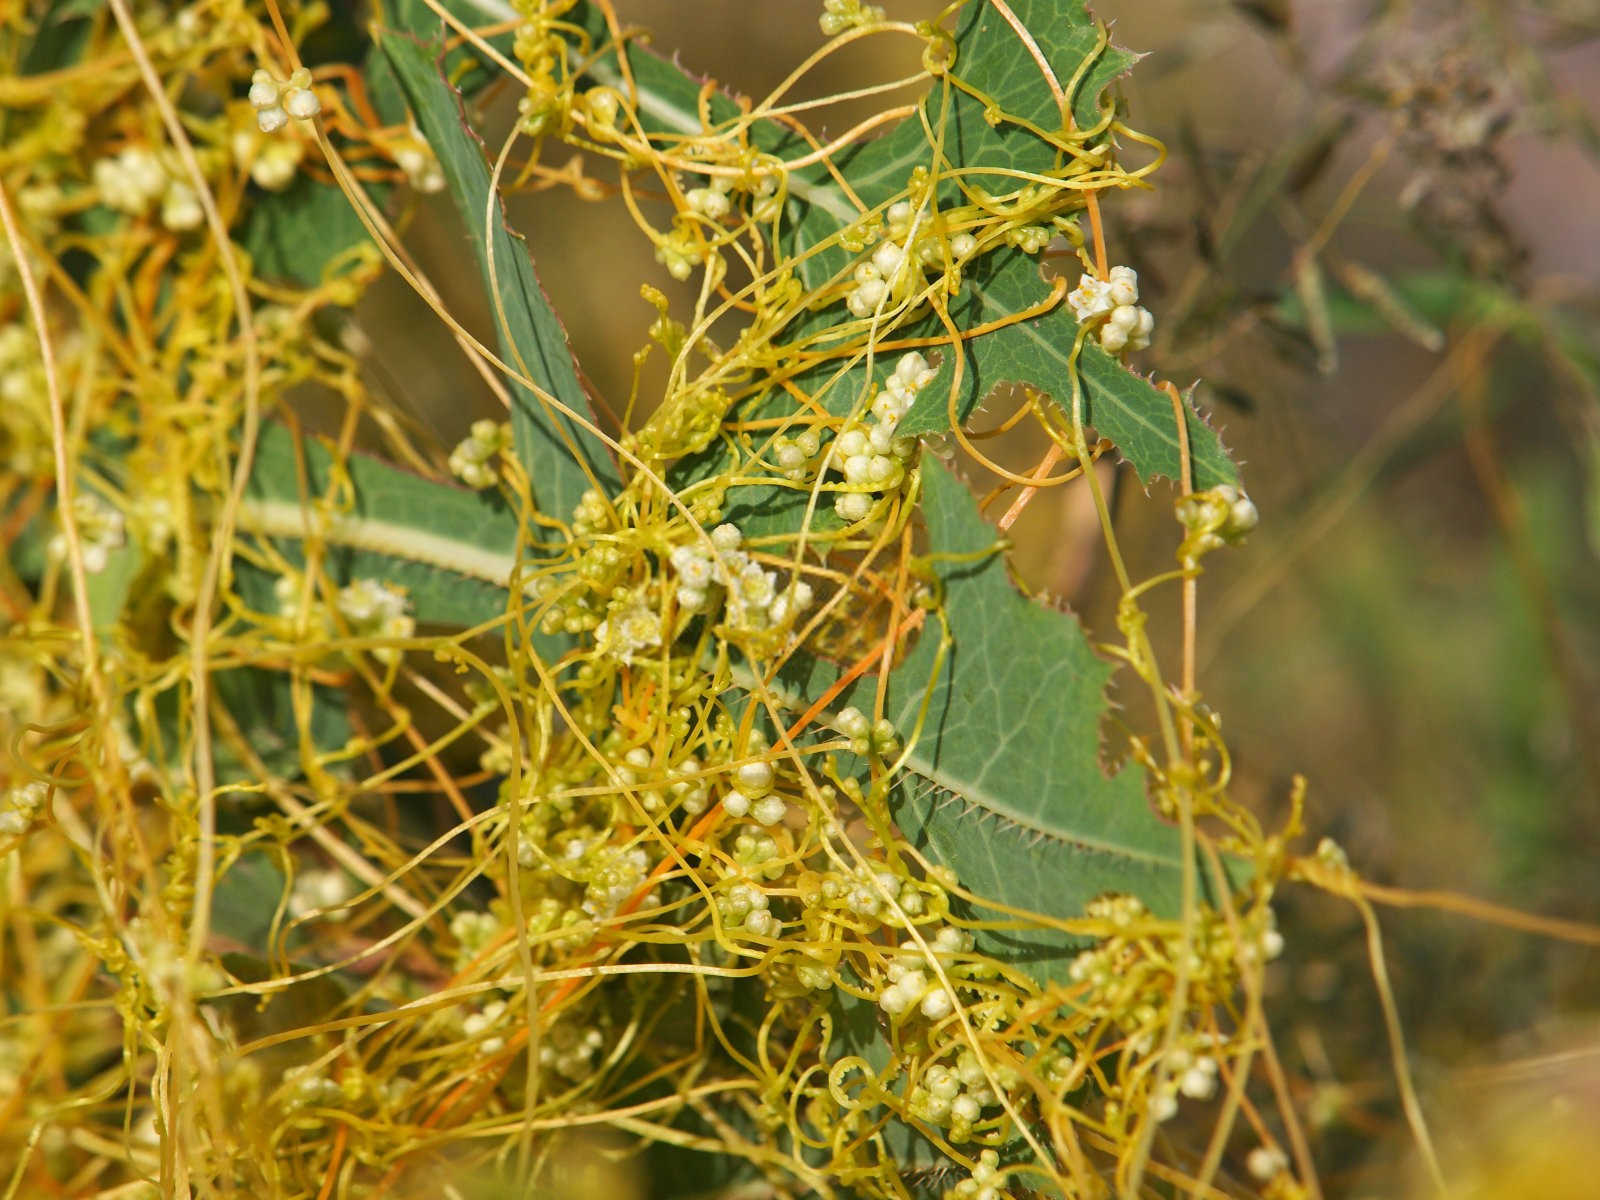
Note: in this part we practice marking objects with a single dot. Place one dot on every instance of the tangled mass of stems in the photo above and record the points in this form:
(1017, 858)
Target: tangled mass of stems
(596, 872)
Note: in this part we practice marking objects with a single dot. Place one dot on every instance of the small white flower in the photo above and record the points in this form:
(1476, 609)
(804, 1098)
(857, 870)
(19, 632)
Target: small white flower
(852, 506)
(1264, 1162)
(1271, 944)
(132, 181)
(857, 468)
(1199, 1082)
(914, 369)
(851, 442)
(377, 608)
(101, 529)
(301, 103)
(417, 160)
(769, 810)
(790, 457)
(275, 167)
(792, 602)
(1090, 299)
(20, 806)
(264, 90)
(180, 209)
(760, 922)
(854, 723)
(629, 628)
(889, 258)
(708, 202)
(754, 778)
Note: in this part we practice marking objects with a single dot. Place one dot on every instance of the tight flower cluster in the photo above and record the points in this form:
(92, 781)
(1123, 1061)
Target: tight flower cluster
(749, 594)
(372, 608)
(1115, 302)
(896, 265)
(137, 178)
(472, 459)
(873, 457)
(20, 806)
(276, 102)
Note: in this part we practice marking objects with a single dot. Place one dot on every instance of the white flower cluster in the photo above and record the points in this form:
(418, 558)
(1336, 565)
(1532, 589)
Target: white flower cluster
(20, 807)
(1196, 1074)
(154, 521)
(416, 158)
(473, 930)
(794, 455)
(683, 789)
(753, 797)
(862, 893)
(984, 1183)
(321, 890)
(866, 736)
(101, 529)
(766, 203)
(1218, 516)
(711, 200)
(1030, 239)
(1190, 1075)
(895, 267)
(908, 980)
(747, 906)
(569, 1051)
(272, 162)
(377, 608)
(138, 177)
(276, 102)
(757, 852)
(680, 251)
(591, 514)
(956, 1097)
(750, 594)
(1115, 300)
(631, 627)
(471, 459)
(873, 456)
(615, 875)
(476, 1025)
(21, 371)
(840, 15)
(312, 1089)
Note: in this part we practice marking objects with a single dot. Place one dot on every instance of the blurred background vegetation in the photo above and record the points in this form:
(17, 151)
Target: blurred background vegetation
(1375, 246)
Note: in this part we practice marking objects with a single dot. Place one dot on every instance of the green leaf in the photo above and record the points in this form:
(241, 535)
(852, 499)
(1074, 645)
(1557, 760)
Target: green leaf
(295, 234)
(1009, 790)
(60, 36)
(562, 461)
(246, 898)
(453, 550)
